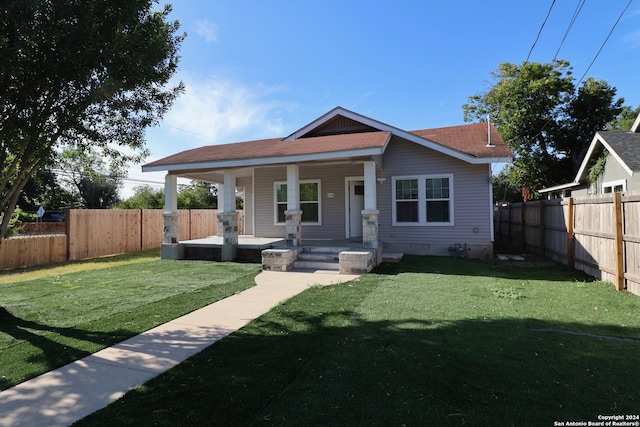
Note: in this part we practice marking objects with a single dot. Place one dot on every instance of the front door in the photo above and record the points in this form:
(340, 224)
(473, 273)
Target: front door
(356, 205)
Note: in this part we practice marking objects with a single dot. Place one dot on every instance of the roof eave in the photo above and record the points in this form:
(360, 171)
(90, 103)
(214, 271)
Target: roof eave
(265, 161)
(598, 138)
(559, 187)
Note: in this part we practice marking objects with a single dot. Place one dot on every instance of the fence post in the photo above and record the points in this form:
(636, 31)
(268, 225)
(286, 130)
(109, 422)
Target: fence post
(619, 243)
(570, 236)
(67, 230)
(542, 229)
(523, 220)
(510, 226)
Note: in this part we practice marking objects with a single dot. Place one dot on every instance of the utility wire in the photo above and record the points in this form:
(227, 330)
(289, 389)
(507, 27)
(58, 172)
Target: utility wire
(540, 30)
(573, 20)
(605, 42)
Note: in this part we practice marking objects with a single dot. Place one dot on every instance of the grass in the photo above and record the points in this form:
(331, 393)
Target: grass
(52, 316)
(431, 341)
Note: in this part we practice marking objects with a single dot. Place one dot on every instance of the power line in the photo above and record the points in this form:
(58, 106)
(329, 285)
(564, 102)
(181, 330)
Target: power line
(605, 41)
(573, 20)
(540, 30)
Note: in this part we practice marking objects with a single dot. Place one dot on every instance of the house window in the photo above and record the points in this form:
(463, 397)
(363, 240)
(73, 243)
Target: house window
(437, 199)
(309, 202)
(614, 186)
(406, 200)
(423, 200)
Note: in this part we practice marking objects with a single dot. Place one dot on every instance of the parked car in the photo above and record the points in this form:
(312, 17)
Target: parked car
(52, 217)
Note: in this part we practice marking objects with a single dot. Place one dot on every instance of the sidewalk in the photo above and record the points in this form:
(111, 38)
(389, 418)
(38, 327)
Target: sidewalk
(68, 394)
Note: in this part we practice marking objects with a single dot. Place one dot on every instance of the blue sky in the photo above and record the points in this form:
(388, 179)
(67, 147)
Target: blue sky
(257, 69)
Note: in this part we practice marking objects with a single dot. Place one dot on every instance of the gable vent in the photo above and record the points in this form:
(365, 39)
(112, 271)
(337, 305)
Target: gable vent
(339, 125)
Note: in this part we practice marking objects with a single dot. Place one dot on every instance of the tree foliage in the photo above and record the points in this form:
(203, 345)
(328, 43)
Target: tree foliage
(544, 118)
(144, 197)
(85, 74)
(196, 195)
(93, 183)
(625, 120)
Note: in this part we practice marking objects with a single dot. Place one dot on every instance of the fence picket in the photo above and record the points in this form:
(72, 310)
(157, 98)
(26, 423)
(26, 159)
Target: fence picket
(94, 233)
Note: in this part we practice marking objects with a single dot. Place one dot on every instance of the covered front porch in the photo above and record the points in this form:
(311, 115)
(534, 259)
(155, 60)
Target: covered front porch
(349, 256)
(276, 206)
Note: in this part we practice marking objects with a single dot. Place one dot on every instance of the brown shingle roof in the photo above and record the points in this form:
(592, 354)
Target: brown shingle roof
(469, 139)
(277, 147)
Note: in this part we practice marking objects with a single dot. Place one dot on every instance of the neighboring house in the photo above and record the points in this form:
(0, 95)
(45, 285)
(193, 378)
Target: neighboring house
(621, 170)
(346, 177)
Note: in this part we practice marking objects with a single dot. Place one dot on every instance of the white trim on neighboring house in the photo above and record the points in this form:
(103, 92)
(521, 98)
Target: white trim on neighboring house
(599, 139)
(422, 201)
(302, 181)
(636, 125)
(393, 130)
(613, 185)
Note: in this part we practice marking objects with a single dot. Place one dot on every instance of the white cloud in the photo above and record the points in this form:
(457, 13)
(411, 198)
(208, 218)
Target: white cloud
(218, 111)
(207, 30)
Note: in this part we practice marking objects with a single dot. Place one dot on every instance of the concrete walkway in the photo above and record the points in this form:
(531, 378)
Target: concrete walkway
(68, 394)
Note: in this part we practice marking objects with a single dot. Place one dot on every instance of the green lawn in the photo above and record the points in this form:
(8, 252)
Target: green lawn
(50, 316)
(431, 341)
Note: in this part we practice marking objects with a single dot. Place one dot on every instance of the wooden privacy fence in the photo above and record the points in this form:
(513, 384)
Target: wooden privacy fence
(599, 235)
(99, 232)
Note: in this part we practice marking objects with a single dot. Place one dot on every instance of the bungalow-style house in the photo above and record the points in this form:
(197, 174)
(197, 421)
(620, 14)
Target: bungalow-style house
(352, 182)
(621, 168)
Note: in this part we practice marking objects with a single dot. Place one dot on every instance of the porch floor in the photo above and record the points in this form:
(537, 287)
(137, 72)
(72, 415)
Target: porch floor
(252, 242)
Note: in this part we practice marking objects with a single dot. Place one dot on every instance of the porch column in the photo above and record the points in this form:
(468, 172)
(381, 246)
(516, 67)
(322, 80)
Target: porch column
(293, 214)
(219, 228)
(170, 247)
(228, 218)
(370, 212)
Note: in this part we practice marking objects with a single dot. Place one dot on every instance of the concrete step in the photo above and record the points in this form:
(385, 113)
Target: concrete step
(323, 249)
(319, 256)
(316, 265)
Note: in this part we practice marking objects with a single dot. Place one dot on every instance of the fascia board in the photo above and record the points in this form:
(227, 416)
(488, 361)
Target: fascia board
(559, 187)
(263, 161)
(636, 125)
(594, 143)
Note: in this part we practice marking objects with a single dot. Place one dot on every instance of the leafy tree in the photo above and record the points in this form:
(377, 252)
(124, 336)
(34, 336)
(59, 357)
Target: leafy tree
(87, 74)
(43, 189)
(86, 176)
(503, 189)
(625, 120)
(198, 195)
(544, 119)
(144, 197)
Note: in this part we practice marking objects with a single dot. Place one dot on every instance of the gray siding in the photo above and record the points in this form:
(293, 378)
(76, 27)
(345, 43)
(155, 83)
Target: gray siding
(614, 171)
(471, 197)
(472, 220)
(332, 180)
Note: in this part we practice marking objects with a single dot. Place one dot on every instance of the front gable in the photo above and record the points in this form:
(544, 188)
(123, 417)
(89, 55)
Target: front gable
(482, 147)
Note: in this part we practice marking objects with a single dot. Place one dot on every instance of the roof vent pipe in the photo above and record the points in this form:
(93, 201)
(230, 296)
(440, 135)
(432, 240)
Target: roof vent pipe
(489, 144)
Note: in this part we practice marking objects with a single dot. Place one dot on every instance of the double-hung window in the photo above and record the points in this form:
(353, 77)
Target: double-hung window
(423, 200)
(309, 202)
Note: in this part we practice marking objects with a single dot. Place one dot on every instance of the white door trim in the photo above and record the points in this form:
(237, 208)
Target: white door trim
(347, 195)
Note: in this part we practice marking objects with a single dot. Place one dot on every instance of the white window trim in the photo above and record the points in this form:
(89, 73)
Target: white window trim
(422, 201)
(275, 201)
(613, 184)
